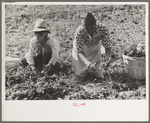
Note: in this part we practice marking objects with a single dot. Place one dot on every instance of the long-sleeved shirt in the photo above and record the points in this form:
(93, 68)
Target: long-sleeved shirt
(33, 49)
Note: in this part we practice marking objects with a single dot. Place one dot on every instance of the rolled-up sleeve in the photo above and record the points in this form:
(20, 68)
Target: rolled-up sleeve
(55, 50)
(30, 54)
(105, 36)
(79, 42)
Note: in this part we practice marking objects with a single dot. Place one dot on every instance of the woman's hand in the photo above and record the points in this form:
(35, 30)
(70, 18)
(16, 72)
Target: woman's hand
(91, 66)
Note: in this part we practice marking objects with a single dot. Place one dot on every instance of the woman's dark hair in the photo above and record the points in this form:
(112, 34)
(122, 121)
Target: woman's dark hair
(89, 20)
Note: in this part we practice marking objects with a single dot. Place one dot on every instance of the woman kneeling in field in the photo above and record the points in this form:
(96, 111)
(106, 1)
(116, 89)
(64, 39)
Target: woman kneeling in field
(43, 49)
(87, 47)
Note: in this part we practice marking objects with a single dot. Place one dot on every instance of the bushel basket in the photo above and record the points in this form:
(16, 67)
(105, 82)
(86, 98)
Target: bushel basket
(135, 67)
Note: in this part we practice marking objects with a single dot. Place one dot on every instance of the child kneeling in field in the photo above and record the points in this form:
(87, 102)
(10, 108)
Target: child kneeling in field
(43, 49)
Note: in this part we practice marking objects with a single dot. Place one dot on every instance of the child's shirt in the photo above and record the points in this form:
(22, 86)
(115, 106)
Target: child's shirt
(34, 47)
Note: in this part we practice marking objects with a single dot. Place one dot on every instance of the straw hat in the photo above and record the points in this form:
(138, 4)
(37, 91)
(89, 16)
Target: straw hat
(40, 25)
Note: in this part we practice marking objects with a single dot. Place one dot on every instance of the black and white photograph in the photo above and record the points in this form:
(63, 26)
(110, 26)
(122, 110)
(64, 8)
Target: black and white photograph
(75, 52)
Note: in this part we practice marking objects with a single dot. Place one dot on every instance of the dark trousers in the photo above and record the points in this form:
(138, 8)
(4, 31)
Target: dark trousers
(41, 59)
(39, 65)
(44, 59)
(37, 60)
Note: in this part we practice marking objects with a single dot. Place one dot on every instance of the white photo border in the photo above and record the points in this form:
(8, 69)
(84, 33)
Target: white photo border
(63, 110)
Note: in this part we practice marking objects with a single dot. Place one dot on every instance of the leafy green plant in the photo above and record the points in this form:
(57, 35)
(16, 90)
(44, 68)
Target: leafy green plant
(134, 51)
(126, 25)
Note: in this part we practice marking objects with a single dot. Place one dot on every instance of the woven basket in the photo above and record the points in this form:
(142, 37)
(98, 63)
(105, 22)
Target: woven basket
(135, 67)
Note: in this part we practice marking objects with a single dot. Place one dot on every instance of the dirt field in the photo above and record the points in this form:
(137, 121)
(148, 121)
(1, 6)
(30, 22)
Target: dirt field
(126, 25)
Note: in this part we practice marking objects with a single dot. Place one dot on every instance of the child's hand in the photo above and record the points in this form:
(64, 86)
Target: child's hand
(32, 67)
(33, 72)
(47, 68)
